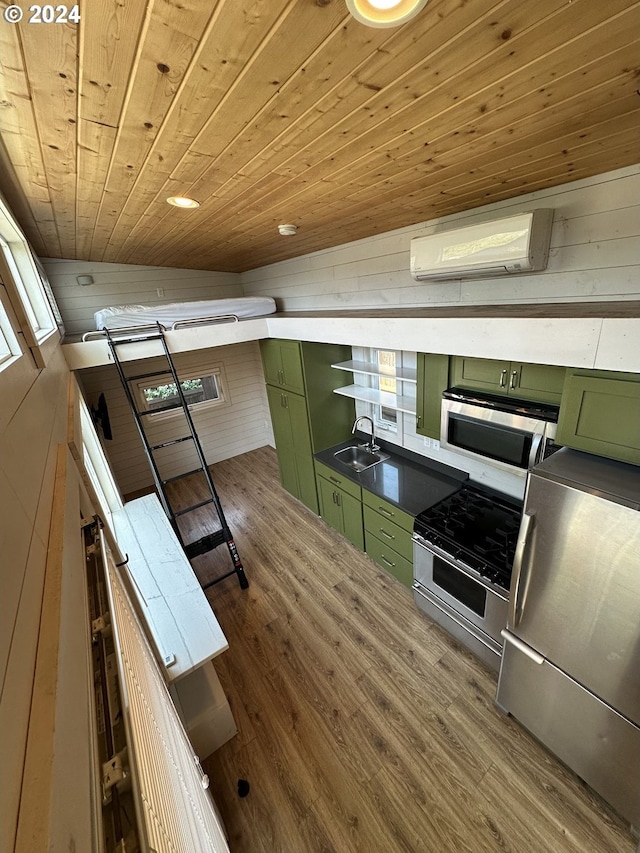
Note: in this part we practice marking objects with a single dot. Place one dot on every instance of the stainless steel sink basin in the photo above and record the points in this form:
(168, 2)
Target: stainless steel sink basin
(359, 458)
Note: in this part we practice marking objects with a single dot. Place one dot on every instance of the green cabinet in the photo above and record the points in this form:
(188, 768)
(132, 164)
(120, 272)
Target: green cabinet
(340, 504)
(293, 445)
(283, 364)
(387, 531)
(306, 415)
(600, 413)
(541, 383)
(433, 379)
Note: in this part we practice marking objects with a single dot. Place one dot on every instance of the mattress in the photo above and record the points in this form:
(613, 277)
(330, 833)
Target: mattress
(121, 316)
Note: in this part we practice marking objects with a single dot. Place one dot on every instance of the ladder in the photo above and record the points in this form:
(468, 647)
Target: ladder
(143, 334)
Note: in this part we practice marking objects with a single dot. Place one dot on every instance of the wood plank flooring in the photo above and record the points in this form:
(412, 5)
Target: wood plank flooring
(362, 726)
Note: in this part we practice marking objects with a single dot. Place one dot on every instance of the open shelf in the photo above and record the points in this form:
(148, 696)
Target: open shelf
(402, 374)
(378, 398)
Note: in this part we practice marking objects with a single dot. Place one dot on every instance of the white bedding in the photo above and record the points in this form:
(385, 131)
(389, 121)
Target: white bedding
(121, 316)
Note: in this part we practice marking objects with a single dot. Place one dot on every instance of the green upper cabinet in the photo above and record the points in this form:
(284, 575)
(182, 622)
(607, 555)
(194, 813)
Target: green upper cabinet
(541, 383)
(433, 379)
(600, 413)
(283, 364)
(306, 415)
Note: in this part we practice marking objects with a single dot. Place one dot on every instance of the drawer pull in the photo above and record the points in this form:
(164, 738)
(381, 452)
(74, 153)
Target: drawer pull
(334, 480)
(386, 512)
(391, 565)
(387, 535)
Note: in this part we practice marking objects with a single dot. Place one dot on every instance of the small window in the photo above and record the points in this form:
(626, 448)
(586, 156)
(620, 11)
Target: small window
(9, 345)
(385, 417)
(199, 391)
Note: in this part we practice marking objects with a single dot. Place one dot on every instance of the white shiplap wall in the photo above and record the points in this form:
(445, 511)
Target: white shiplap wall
(595, 255)
(224, 431)
(127, 284)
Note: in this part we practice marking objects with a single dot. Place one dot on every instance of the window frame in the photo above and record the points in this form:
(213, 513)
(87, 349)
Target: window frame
(216, 373)
(24, 286)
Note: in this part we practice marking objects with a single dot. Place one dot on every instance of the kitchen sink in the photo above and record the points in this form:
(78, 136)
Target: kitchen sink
(359, 458)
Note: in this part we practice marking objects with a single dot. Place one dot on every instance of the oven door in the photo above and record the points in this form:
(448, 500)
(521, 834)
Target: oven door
(509, 440)
(472, 611)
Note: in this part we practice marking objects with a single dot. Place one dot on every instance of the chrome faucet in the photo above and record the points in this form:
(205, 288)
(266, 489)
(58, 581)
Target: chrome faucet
(370, 445)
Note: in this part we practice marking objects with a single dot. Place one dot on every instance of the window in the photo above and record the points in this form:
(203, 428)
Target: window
(9, 345)
(385, 417)
(199, 390)
(24, 285)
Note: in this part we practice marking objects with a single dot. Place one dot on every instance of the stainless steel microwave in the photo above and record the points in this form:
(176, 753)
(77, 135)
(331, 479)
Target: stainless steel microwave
(511, 434)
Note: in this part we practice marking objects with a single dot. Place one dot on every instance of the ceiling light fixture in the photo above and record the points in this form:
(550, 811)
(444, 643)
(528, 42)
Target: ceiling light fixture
(384, 13)
(287, 230)
(183, 201)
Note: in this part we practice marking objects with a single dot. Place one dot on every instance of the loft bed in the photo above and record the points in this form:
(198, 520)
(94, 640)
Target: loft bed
(177, 315)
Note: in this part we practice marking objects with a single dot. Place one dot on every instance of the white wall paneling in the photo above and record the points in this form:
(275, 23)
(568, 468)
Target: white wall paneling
(127, 284)
(594, 255)
(224, 431)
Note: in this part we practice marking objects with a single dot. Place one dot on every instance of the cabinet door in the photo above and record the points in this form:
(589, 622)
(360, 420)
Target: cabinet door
(282, 362)
(540, 382)
(600, 413)
(281, 421)
(481, 374)
(341, 511)
(352, 519)
(299, 420)
(330, 510)
(293, 445)
(433, 379)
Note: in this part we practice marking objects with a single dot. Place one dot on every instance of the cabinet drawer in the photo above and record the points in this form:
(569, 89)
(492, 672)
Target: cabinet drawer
(341, 482)
(389, 560)
(387, 531)
(388, 510)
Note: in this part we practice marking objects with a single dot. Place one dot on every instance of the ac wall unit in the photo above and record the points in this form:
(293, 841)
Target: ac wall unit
(515, 244)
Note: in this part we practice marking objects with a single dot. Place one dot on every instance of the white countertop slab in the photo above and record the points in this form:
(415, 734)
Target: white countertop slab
(180, 619)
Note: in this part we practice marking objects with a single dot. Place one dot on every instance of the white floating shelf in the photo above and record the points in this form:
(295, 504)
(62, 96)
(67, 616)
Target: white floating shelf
(403, 374)
(378, 398)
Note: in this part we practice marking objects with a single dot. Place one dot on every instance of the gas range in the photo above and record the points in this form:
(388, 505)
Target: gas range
(463, 553)
(476, 527)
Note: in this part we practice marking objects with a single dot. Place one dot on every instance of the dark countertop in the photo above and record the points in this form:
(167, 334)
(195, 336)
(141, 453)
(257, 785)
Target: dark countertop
(406, 480)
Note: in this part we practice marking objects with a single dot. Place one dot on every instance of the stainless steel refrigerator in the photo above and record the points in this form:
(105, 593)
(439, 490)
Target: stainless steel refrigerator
(570, 670)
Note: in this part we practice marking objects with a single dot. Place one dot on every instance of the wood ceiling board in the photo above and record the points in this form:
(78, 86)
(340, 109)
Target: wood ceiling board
(50, 63)
(312, 118)
(25, 182)
(223, 54)
(474, 110)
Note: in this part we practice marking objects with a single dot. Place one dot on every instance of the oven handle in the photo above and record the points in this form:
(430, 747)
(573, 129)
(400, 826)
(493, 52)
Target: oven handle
(536, 442)
(518, 583)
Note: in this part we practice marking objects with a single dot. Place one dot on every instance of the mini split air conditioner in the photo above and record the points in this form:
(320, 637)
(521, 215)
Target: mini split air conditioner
(515, 244)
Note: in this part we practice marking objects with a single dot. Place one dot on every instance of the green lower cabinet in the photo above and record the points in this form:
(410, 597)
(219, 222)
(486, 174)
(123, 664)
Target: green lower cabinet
(600, 413)
(387, 531)
(342, 511)
(390, 560)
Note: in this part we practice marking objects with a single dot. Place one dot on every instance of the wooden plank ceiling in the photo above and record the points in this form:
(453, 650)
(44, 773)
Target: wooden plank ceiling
(289, 111)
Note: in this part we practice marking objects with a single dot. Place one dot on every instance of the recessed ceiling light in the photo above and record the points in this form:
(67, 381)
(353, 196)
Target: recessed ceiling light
(183, 201)
(384, 13)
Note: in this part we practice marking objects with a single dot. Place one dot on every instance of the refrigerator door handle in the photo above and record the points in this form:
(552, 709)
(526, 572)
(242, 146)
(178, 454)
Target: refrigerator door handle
(522, 647)
(518, 583)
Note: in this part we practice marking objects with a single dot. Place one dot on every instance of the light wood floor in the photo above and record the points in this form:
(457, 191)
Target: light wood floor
(362, 726)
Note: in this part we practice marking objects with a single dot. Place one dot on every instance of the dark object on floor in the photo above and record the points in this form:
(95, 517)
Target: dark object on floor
(243, 787)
